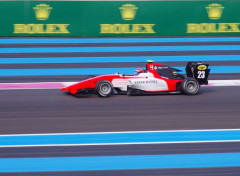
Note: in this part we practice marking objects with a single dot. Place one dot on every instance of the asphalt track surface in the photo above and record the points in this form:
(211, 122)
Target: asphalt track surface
(53, 111)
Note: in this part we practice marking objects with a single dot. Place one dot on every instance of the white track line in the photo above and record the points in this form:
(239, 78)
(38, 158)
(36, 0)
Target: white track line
(59, 85)
(119, 132)
(224, 82)
(135, 143)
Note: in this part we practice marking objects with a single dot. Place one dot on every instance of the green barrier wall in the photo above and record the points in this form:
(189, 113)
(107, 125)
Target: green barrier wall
(119, 18)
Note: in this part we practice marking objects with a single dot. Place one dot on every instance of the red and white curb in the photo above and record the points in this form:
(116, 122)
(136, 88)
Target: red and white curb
(59, 85)
(35, 85)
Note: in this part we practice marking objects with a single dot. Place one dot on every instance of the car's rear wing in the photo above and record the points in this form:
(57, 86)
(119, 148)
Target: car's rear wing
(199, 71)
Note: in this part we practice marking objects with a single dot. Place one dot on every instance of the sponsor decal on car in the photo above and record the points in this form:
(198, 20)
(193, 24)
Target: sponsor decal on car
(146, 82)
(202, 67)
(120, 82)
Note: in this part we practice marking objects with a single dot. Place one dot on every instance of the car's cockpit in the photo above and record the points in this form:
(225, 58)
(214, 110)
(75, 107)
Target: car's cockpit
(161, 70)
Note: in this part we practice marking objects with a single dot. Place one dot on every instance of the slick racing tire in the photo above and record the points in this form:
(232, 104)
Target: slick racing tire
(104, 88)
(189, 86)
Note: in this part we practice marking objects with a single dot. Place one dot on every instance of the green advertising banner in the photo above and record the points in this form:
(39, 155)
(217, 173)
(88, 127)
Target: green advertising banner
(119, 18)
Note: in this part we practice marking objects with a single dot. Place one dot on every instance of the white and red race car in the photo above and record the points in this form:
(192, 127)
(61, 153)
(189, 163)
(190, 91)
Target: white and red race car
(156, 79)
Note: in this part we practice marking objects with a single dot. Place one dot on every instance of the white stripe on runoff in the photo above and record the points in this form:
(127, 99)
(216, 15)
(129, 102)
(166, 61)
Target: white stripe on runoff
(129, 143)
(120, 138)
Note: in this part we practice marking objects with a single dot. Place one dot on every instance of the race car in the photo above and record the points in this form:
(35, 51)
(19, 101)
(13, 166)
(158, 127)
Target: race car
(156, 79)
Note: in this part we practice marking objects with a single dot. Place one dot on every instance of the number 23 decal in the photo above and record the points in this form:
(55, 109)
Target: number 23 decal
(201, 74)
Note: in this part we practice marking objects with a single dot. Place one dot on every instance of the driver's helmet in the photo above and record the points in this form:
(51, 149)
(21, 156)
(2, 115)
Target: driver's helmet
(138, 71)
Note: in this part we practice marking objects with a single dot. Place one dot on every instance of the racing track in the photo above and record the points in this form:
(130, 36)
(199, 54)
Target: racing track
(52, 111)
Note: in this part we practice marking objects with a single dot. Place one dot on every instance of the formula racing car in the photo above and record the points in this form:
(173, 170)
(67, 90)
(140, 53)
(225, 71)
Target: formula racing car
(156, 79)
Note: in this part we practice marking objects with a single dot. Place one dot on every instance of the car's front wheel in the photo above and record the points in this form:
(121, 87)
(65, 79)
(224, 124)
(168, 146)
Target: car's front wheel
(104, 88)
(189, 86)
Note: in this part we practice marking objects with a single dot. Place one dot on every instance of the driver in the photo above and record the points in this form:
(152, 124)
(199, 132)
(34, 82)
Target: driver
(138, 71)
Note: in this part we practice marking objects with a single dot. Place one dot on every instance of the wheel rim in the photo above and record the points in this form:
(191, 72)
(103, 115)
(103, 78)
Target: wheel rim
(191, 86)
(105, 88)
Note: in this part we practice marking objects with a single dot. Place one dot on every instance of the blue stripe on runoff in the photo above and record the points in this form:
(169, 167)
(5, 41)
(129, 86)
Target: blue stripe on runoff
(97, 71)
(119, 162)
(118, 138)
(117, 40)
(119, 59)
(119, 49)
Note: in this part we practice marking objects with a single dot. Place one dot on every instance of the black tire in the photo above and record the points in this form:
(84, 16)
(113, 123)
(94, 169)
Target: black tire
(104, 88)
(189, 86)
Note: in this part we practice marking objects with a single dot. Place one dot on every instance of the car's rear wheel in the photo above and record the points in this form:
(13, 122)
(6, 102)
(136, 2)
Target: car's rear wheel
(189, 86)
(104, 88)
